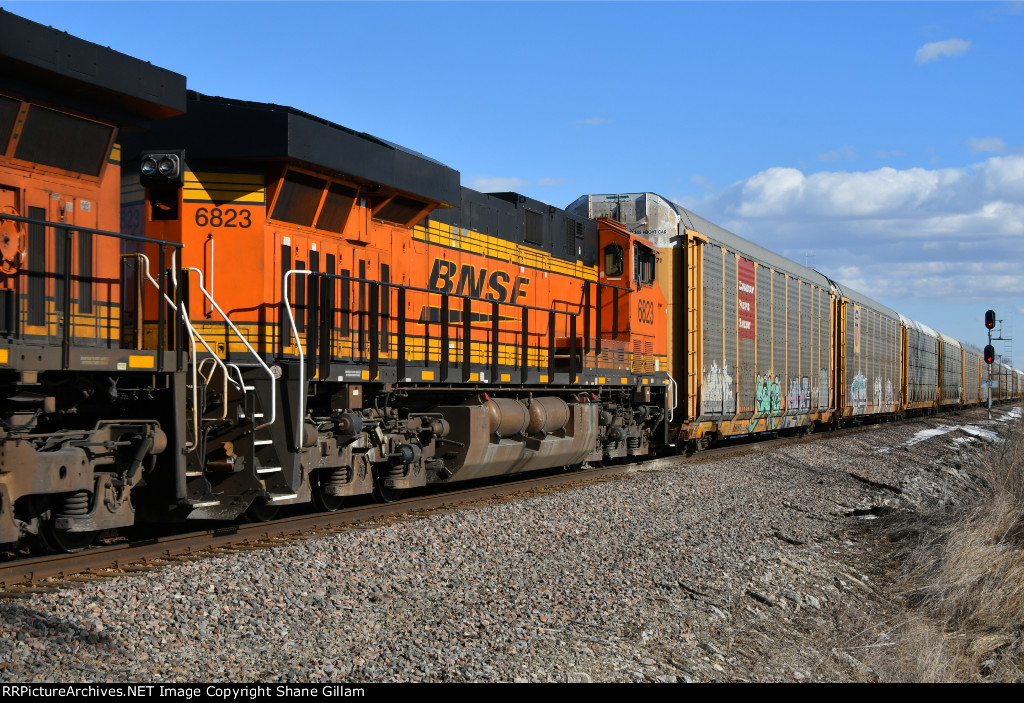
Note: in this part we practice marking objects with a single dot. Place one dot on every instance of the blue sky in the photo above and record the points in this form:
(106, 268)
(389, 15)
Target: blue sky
(880, 142)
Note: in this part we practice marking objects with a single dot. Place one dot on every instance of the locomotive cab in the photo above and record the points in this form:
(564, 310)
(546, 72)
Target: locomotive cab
(633, 321)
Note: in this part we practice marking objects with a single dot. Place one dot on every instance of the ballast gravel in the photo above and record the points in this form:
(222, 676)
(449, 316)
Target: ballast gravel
(750, 568)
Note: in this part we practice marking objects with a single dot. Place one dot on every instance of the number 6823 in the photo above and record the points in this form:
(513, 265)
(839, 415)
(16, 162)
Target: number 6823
(223, 217)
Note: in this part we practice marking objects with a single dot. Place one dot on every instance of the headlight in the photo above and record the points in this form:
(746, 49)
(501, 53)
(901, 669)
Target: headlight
(162, 169)
(168, 166)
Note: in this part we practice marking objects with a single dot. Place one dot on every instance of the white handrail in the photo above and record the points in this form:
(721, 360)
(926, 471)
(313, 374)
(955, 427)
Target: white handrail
(270, 374)
(193, 335)
(207, 377)
(302, 356)
(673, 394)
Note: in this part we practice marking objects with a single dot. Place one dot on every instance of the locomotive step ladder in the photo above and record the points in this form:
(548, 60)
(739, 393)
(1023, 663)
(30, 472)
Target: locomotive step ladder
(264, 445)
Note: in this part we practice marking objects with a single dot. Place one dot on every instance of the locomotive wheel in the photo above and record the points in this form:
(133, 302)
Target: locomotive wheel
(54, 541)
(262, 511)
(381, 493)
(325, 502)
(62, 541)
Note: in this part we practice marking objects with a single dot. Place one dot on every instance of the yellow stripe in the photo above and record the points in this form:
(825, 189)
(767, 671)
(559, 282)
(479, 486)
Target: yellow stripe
(493, 247)
(209, 187)
(141, 362)
(3, 356)
(115, 154)
(200, 195)
(241, 179)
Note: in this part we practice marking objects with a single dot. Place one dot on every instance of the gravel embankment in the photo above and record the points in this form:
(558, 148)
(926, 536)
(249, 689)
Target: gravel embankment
(748, 568)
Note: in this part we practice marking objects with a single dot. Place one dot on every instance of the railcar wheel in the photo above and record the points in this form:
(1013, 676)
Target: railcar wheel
(382, 493)
(62, 541)
(324, 501)
(262, 511)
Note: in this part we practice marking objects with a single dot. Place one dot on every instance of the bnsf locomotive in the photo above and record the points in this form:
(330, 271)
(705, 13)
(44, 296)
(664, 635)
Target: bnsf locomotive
(263, 308)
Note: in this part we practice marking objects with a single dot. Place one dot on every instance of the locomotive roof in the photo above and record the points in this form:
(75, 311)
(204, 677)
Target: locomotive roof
(43, 62)
(220, 128)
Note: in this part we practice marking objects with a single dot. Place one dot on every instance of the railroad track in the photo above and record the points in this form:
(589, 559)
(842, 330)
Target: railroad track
(24, 576)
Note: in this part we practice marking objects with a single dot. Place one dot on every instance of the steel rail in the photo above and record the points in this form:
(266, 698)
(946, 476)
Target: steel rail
(46, 573)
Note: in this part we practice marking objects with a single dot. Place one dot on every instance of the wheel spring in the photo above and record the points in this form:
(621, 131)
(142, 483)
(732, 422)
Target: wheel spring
(336, 478)
(75, 504)
(632, 443)
(396, 471)
(609, 447)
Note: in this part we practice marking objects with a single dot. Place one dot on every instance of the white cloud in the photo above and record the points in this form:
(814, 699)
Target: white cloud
(884, 192)
(496, 184)
(593, 121)
(920, 236)
(702, 181)
(994, 145)
(843, 152)
(933, 51)
(552, 182)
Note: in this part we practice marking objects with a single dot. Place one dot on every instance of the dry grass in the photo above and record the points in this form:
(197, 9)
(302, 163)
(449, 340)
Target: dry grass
(962, 574)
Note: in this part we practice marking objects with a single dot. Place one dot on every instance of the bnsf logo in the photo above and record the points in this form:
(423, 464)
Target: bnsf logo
(476, 284)
(645, 311)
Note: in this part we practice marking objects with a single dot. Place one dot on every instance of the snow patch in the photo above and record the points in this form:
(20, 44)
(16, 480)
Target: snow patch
(976, 431)
(973, 431)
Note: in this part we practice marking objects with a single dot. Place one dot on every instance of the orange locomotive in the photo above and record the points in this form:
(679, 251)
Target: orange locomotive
(364, 324)
(78, 421)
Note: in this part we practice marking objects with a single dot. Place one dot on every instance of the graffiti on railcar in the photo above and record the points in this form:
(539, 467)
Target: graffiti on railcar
(798, 400)
(883, 395)
(859, 394)
(769, 403)
(822, 390)
(717, 395)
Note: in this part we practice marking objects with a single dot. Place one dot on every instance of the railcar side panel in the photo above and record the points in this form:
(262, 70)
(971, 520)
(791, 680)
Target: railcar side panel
(972, 377)
(951, 390)
(921, 347)
(873, 360)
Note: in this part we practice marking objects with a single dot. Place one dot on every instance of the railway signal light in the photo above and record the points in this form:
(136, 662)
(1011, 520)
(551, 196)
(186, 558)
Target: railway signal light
(990, 353)
(990, 319)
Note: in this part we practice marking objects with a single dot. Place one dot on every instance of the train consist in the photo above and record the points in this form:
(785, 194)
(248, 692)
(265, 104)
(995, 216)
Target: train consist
(210, 308)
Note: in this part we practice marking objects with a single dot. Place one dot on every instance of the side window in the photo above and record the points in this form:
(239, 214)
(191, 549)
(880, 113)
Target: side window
(643, 265)
(613, 260)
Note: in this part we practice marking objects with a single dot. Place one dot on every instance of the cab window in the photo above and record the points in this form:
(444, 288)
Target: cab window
(644, 260)
(613, 260)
